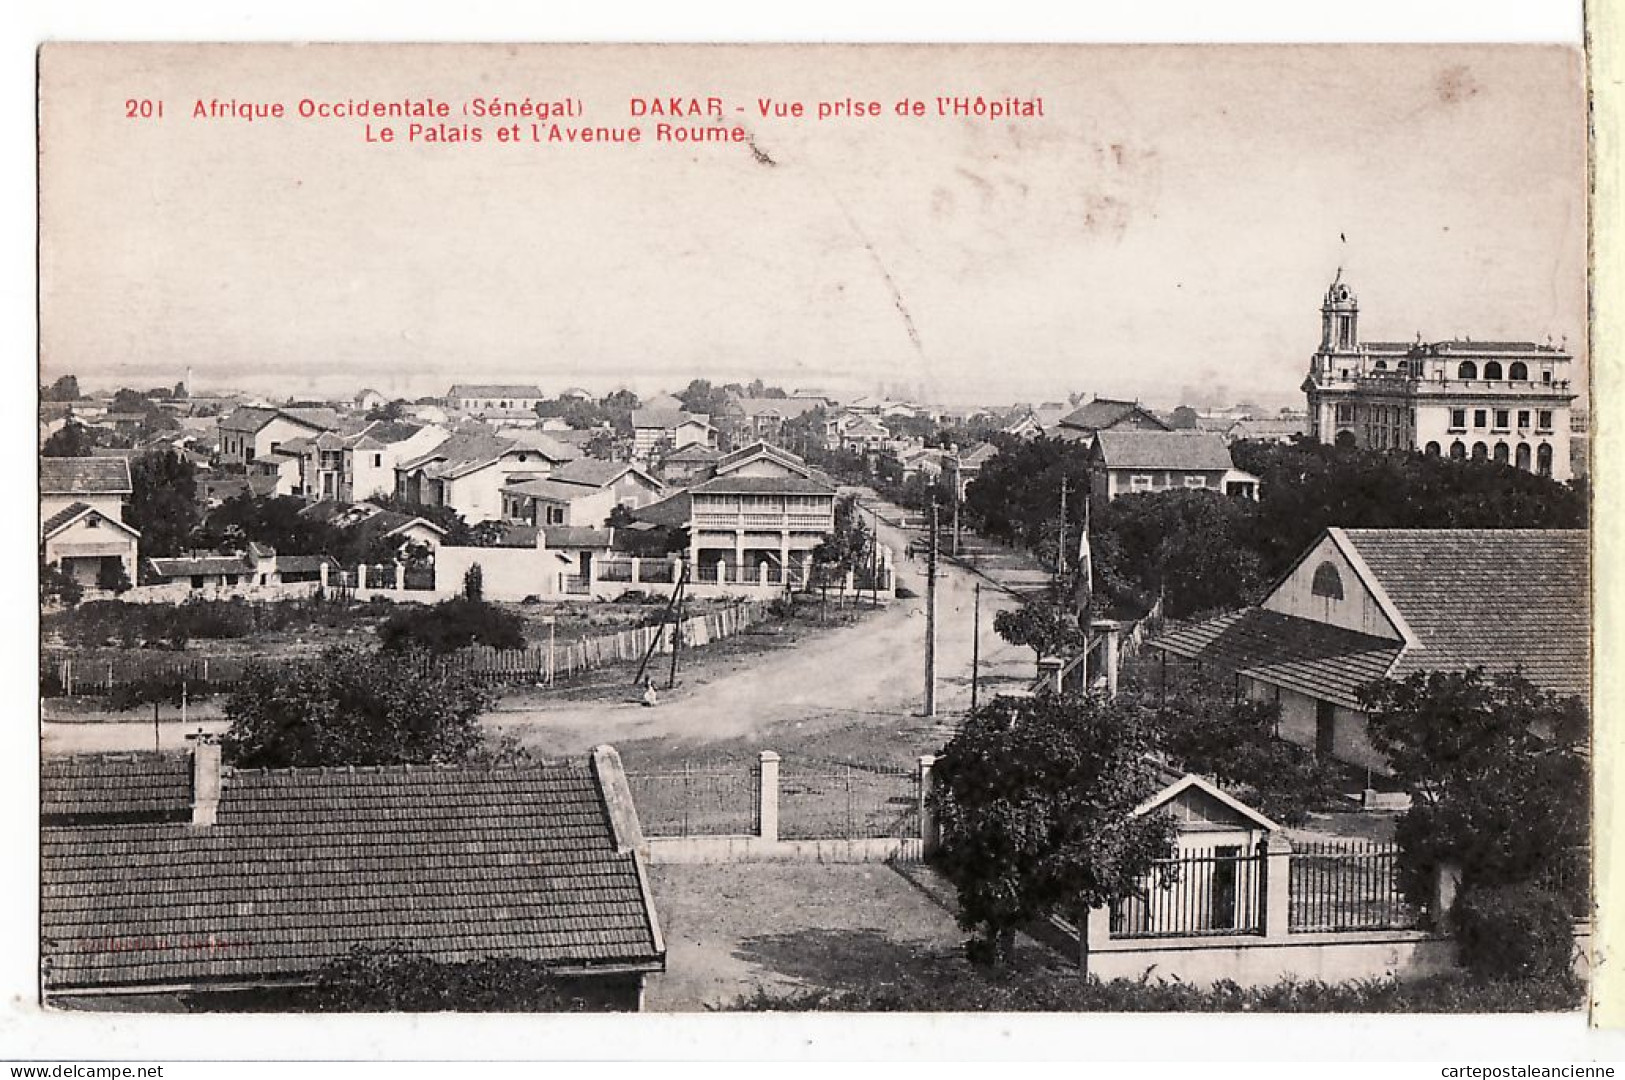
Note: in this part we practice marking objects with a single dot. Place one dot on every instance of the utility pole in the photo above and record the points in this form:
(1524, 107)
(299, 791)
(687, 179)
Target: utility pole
(975, 644)
(931, 620)
(955, 449)
(677, 632)
(1060, 542)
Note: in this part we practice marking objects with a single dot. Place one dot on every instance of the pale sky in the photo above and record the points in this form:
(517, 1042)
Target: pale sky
(1165, 232)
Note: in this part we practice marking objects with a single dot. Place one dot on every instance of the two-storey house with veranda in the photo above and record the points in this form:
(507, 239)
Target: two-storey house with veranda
(763, 507)
(1503, 400)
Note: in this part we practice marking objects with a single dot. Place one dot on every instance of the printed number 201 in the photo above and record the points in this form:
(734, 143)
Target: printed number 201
(143, 109)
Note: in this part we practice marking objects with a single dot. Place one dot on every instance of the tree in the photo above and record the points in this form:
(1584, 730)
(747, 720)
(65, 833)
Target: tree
(701, 397)
(352, 707)
(65, 388)
(163, 502)
(1035, 798)
(1195, 549)
(1499, 777)
(72, 439)
(56, 585)
(474, 583)
(1043, 624)
(389, 410)
(112, 576)
(1208, 732)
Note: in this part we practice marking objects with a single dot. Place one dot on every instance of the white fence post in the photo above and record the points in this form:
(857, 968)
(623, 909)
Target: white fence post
(930, 837)
(1276, 869)
(767, 796)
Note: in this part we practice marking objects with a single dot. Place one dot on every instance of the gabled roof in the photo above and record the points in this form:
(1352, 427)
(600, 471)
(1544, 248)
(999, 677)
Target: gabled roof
(1502, 598)
(1103, 413)
(785, 407)
(1318, 659)
(976, 458)
(84, 476)
(251, 418)
(301, 865)
(597, 473)
(1200, 451)
(692, 452)
(460, 455)
(201, 566)
(549, 445)
(72, 513)
(739, 458)
(1189, 782)
(494, 390)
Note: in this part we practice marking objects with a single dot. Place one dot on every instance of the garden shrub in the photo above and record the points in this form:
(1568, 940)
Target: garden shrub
(1514, 932)
(451, 625)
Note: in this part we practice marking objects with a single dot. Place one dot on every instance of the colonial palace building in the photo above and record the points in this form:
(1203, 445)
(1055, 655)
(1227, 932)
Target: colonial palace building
(1506, 400)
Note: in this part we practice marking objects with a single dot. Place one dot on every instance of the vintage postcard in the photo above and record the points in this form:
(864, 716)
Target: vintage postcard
(803, 529)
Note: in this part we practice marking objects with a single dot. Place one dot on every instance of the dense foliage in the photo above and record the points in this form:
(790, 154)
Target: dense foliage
(1500, 779)
(1514, 932)
(1035, 800)
(351, 707)
(163, 502)
(1210, 733)
(954, 989)
(451, 625)
(395, 978)
(57, 586)
(1200, 550)
(108, 622)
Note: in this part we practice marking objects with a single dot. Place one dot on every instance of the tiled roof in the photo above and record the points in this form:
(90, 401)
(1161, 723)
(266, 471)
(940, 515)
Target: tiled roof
(551, 490)
(494, 390)
(763, 485)
(303, 564)
(313, 416)
(735, 458)
(1314, 658)
(203, 565)
(674, 511)
(127, 787)
(694, 451)
(460, 455)
(249, 418)
(1501, 598)
(592, 471)
(785, 407)
(1102, 413)
(301, 865)
(544, 443)
(1194, 450)
(62, 517)
(666, 419)
(84, 476)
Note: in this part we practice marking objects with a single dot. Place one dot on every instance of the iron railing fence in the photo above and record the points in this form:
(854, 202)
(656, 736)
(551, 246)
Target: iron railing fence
(1200, 891)
(1347, 885)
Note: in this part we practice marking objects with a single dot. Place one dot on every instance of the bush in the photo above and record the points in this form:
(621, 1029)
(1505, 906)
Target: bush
(451, 625)
(1514, 932)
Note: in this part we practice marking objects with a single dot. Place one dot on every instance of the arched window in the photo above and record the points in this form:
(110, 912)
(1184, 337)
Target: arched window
(1543, 459)
(1433, 449)
(1382, 365)
(1519, 371)
(1523, 456)
(1492, 370)
(1458, 450)
(1328, 582)
(1467, 370)
(1503, 453)
(1480, 451)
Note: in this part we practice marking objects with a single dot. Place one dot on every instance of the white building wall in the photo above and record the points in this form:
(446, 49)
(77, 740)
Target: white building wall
(1358, 610)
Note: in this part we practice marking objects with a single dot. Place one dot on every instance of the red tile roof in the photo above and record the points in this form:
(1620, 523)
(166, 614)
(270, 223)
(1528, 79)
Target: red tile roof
(1102, 413)
(1199, 451)
(301, 865)
(140, 787)
(84, 476)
